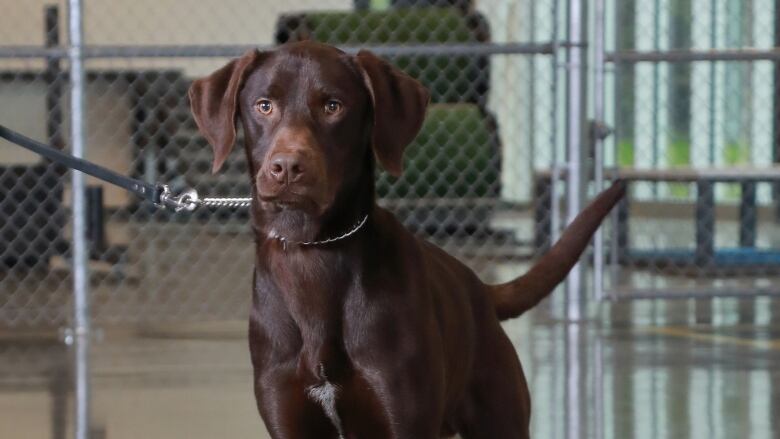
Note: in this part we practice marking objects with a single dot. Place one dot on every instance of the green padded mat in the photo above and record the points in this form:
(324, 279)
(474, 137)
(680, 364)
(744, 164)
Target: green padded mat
(456, 155)
(462, 78)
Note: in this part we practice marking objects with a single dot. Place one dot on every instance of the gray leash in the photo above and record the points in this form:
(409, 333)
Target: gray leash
(159, 194)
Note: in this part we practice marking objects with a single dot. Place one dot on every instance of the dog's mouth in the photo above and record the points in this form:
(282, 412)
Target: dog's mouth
(289, 216)
(290, 200)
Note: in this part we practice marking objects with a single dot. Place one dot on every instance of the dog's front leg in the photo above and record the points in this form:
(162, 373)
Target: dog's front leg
(398, 376)
(286, 409)
(408, 404)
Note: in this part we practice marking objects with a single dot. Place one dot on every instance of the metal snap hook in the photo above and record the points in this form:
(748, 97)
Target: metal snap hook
(187, 200)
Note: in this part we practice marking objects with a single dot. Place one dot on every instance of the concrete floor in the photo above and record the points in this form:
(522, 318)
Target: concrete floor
(679, 369)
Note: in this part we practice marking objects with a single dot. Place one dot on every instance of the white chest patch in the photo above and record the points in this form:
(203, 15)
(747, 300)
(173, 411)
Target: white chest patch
(325, 395)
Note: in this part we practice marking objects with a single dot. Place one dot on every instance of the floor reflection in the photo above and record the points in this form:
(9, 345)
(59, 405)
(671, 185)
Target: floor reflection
(683, 369)
(672, 369)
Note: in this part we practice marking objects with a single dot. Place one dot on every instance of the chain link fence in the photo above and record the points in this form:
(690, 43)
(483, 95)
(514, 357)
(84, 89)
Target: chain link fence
(693, 112)
(471, 183)
(469, 173)
(689, 87)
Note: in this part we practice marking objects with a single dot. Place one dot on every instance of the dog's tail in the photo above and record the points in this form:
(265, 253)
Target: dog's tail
(518, 296)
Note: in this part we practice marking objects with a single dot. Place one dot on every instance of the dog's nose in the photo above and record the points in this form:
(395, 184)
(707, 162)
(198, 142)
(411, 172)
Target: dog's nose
(285, 168)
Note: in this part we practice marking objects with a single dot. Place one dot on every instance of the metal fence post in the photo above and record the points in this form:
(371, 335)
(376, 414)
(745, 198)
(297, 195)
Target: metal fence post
(574, 189)
(597, 138)
(574, 116)
(81, 330)
(555, 214)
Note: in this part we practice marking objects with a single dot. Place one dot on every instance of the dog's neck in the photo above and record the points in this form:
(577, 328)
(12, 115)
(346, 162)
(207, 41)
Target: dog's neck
(322, 241)
(349, 216)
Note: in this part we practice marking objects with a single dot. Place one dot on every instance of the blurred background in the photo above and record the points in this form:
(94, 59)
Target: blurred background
(134, 326)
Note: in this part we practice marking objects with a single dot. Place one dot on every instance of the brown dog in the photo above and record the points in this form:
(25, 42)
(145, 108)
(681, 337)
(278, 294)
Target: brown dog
(358, 328)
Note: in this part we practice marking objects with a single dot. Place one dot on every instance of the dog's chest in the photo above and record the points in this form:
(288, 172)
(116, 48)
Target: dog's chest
(310, 293)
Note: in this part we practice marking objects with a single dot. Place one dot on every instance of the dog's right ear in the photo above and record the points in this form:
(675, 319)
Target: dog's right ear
(214, 104)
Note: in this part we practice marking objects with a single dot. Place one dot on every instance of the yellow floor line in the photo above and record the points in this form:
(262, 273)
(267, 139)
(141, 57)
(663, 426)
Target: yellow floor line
(714, 338)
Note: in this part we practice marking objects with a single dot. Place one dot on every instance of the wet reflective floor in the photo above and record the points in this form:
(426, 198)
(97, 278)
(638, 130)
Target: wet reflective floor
(704, 369)
(674, 369)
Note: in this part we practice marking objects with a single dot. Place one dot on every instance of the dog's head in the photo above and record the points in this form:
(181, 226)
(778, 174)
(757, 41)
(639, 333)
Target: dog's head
(311, 116)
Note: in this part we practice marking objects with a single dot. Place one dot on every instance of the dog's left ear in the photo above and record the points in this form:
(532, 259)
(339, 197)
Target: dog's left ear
(214, 102)
(399, 103)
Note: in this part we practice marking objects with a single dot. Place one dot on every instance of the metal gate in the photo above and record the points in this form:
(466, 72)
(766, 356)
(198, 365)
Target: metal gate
(690, 90)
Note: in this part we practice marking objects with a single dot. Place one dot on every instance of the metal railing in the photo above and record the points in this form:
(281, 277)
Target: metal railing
(620, 62)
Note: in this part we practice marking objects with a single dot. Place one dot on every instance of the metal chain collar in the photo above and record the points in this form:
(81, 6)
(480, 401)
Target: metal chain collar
(285, 242)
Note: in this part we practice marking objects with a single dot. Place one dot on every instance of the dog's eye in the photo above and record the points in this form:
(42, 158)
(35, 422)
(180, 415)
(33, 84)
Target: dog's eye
(332, 106)
(264, 106)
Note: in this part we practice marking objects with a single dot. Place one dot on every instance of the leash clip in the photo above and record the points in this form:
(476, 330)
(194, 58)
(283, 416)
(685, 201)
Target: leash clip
(187, 200)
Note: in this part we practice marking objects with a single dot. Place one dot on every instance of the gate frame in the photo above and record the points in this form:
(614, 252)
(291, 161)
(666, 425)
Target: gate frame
(618, 59)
